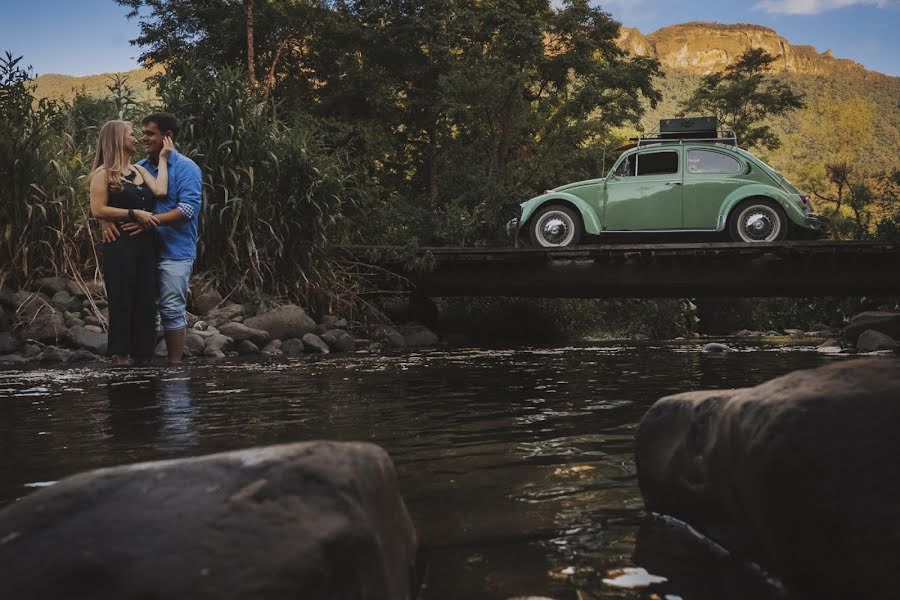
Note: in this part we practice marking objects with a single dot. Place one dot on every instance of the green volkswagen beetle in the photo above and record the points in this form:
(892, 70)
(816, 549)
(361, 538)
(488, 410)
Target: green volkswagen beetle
(689, 181)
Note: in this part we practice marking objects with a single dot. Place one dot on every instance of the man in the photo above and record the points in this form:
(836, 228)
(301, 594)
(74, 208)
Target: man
(178, 215)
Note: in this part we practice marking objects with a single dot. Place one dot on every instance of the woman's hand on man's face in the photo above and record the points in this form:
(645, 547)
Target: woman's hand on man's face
(168, 147)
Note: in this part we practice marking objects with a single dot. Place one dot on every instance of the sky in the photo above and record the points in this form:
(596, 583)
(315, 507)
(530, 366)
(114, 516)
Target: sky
(86, 37)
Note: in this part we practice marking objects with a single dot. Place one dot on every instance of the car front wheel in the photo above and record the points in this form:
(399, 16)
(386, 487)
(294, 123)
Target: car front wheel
(758, 220)
(555, 227)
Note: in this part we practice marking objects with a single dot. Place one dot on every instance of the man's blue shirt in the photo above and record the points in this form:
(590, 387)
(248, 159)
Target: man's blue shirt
(178, 241)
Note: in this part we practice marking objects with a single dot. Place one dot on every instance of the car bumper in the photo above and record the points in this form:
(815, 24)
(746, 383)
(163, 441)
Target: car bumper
(818, 222)
(512, 229)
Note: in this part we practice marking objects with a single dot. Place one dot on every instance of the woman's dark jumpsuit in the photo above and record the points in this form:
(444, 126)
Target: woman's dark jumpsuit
(129, 270)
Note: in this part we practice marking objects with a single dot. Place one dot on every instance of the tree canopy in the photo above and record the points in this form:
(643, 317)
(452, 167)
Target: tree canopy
(744, 96)
(455, 108)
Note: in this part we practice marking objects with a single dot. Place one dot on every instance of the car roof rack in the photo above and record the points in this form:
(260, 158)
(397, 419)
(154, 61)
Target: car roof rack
(722, 136)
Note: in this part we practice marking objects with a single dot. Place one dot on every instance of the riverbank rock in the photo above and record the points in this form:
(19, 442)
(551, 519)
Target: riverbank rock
(886, 322)
(8, 343)
(796, 474)
(273, 347)
(47, 327)
(64, 302)
(339, 340)
(194, 344)
(388, 336)
(875, 341)
(12, 360)
(240, 332)
(52, 285)
(206, 300)
(420, 336)
(292, 347)
(716, 348)
(829, 346)
(224, 313)
(217, 345)
(284, 322)
(89, 340)
(315, 520)
(311, 343)
(247, 347)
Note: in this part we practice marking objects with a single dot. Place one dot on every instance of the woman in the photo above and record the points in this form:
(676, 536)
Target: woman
(121, 191)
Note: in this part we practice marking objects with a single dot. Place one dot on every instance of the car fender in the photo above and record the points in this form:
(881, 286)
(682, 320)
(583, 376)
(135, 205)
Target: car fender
(791, 208)
(588, 214)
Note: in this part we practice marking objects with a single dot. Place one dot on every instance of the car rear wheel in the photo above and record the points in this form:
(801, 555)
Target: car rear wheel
(758, 220)
(555, 227)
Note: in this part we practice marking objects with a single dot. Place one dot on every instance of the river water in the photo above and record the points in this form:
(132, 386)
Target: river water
(517, 465)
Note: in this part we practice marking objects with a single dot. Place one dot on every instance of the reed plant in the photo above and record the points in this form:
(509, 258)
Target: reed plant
(276, 199)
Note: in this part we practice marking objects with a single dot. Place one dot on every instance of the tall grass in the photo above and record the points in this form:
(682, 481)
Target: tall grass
(275, 198)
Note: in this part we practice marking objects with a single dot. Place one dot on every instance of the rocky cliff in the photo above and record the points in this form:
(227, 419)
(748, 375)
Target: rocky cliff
(702, 48)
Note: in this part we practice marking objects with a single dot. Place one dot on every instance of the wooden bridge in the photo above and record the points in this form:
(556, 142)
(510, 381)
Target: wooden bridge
(648, 270)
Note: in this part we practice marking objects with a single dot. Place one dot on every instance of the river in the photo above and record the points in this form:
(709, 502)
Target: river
(517, 465)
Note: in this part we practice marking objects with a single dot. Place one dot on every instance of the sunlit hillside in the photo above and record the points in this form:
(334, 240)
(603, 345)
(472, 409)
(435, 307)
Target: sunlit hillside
(65, 86)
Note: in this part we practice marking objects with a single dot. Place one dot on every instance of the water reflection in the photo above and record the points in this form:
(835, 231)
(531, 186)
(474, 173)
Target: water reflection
(517, 465)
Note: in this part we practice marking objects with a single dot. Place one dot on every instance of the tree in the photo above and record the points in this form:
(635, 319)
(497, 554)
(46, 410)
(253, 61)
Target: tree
(743, 96)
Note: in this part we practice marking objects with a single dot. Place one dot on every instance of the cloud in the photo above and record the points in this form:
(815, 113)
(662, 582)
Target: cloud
(814, 7)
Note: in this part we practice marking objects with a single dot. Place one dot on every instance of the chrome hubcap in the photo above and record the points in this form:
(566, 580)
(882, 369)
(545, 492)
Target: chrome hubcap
(555, 229)
(759, 224)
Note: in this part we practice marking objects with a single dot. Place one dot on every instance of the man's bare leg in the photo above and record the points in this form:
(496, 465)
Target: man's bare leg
(175, 345)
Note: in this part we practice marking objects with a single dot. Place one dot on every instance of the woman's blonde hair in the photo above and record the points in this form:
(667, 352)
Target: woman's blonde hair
(112, 153)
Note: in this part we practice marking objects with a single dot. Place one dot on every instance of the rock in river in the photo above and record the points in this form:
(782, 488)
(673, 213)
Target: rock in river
(284, 322)
(798, 474)
(310, 520)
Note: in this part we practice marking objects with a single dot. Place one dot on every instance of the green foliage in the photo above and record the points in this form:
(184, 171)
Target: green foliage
(274, 196)
(39, 189)
(743, 96)
(456, 110)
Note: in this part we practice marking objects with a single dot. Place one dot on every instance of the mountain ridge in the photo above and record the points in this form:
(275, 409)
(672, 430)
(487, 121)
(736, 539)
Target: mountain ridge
(701, 48)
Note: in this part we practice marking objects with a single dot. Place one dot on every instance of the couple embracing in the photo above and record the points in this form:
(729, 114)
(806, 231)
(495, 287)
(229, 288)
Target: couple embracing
(149, 213)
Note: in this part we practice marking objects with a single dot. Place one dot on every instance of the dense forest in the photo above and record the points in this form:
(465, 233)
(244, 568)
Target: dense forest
(321, 124)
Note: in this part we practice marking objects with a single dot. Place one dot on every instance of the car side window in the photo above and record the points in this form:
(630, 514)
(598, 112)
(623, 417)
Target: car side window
(657, 163)
(707, 162)
(626, 167)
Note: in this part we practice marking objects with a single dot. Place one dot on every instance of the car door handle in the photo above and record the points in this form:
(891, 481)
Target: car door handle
(673, 183)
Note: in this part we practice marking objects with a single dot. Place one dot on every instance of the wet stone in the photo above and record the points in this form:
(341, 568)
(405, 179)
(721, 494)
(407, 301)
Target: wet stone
(312, 343)
(8, 343)
(292, 347)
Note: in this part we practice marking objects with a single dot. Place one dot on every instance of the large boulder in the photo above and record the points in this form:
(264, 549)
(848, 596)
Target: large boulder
(886, 322)
(240, 332)
(284, 322)
(797, 474)
(88, 339)
(311, 520)
(875, 341)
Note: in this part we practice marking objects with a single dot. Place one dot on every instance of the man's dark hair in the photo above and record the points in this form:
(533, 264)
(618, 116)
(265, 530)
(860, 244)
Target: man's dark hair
(165, 121)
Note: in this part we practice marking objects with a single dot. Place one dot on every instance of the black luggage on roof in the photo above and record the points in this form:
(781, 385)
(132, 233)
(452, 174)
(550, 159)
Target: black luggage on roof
(691, 128)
